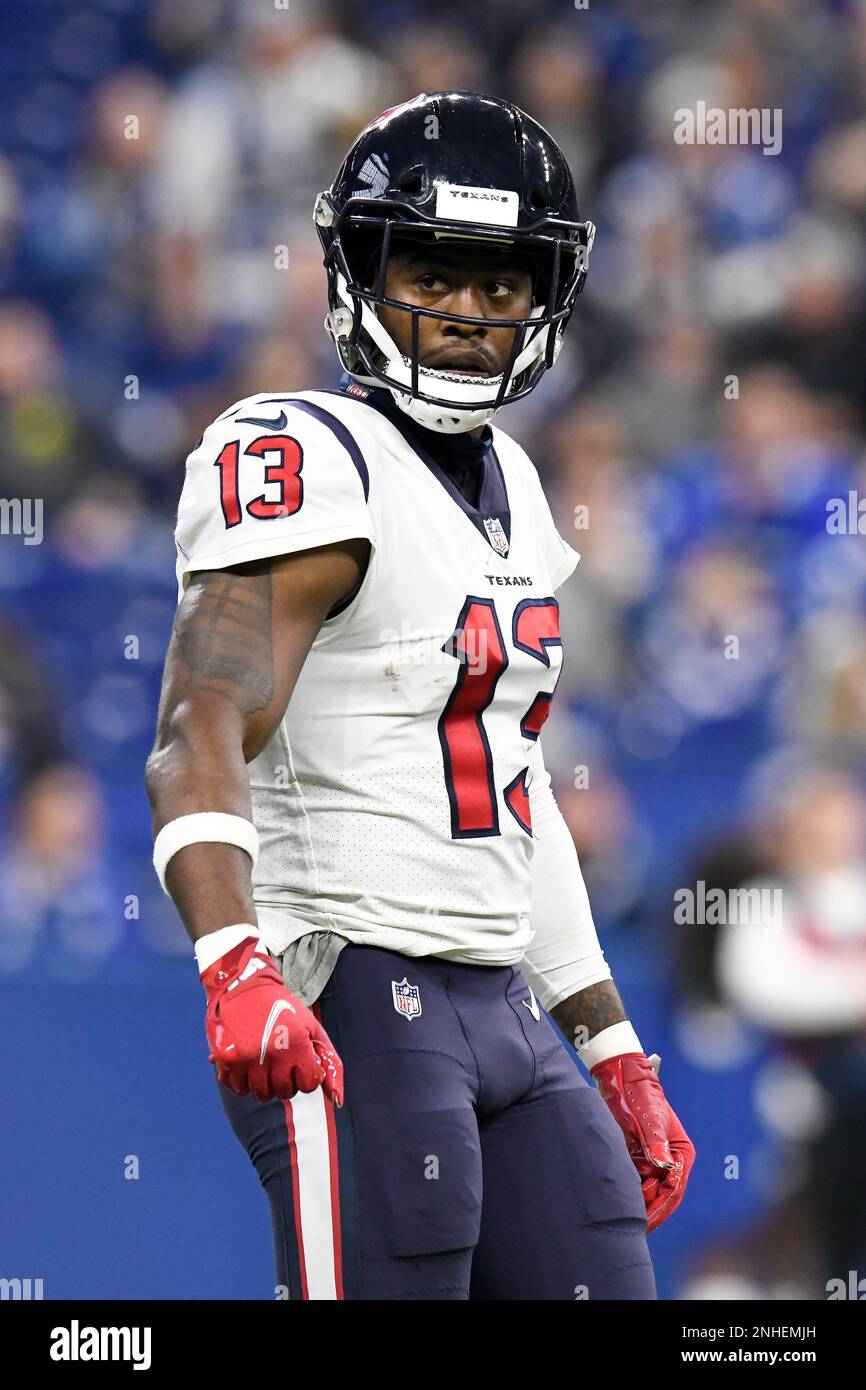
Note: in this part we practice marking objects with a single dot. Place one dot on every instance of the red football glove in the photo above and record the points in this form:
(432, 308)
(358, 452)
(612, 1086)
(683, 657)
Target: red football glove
(263, 1040)
(660, 1149)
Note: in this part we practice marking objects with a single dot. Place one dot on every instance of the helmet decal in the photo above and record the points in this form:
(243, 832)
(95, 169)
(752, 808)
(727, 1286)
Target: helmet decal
(465, 204)
(373, 176)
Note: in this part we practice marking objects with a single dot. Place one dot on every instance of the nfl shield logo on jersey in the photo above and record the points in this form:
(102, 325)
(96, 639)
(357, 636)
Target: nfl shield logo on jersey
(496, 535)
(407, 998)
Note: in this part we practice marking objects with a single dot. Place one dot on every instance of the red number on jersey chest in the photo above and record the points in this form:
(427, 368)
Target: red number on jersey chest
(479, 646)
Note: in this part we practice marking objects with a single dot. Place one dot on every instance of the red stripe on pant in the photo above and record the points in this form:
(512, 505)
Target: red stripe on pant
(334, 1166)
(333, 1163)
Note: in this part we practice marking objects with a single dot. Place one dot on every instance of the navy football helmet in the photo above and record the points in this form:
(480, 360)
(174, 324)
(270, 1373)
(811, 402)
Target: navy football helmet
(450, 165)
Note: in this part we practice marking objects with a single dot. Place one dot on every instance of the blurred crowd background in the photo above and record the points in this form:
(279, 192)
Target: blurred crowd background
(709, 404)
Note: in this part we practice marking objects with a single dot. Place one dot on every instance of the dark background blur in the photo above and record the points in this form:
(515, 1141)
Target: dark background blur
(709, 403)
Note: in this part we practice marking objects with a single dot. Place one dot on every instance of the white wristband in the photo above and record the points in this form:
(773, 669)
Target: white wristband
(208, 949)
(203, 826)
(610, 1042)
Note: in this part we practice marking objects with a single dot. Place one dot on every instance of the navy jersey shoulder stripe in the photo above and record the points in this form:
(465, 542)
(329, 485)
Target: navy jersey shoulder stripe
(337, 428)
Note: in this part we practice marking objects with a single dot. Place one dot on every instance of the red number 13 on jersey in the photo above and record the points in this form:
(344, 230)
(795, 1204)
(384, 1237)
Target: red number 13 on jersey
(478, 645)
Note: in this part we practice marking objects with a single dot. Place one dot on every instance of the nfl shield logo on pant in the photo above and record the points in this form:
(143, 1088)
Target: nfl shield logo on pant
(407, 998)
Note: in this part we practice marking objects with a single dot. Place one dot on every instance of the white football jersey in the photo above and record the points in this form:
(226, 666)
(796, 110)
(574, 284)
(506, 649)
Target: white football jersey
(392, 802)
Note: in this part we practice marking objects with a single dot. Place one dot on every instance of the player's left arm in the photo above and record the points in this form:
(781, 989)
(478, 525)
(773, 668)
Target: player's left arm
(566, 967)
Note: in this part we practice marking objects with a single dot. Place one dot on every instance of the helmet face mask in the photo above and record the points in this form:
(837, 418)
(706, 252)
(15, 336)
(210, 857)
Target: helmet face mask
(361, 229)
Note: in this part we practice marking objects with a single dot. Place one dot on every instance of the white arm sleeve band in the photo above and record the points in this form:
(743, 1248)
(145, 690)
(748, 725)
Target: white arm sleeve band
(564, 955)
(216, 826)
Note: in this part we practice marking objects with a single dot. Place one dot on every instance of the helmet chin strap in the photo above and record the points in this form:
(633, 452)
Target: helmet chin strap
(469, 398)
(446, 419)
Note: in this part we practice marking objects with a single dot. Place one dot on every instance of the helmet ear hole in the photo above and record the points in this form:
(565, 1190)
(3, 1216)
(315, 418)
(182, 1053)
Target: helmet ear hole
(411, 182)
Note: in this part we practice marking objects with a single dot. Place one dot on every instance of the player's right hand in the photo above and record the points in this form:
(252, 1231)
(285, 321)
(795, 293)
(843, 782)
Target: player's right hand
(263, 1040)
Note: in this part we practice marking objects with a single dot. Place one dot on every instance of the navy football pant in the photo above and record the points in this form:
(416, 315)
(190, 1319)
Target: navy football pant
(471, 1158)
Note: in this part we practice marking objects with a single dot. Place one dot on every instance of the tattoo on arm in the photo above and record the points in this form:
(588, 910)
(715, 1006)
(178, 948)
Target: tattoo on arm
(589, 1011)
(224, 638)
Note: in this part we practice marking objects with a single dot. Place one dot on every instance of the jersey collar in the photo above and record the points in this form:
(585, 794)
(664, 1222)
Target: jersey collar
(467, 448)
(436, 450)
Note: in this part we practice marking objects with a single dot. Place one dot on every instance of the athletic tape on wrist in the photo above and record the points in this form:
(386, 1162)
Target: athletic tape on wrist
(208, 949)
(610, 1042)
(203, 826)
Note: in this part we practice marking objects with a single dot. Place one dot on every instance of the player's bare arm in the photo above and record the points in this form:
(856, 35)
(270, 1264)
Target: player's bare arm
(240, 638)
(587, 1013)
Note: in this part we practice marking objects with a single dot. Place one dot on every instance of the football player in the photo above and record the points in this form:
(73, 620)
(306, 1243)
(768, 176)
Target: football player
(351, 807)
